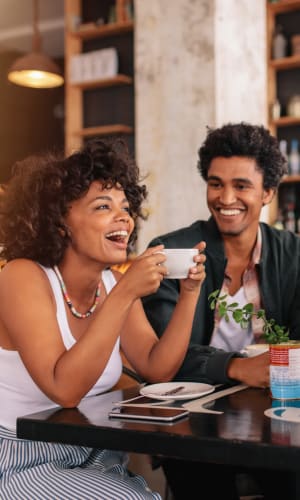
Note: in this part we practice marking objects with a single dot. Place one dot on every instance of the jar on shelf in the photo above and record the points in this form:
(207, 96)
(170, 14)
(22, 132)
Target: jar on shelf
(276, 110)
(295, 44)
(293, 106)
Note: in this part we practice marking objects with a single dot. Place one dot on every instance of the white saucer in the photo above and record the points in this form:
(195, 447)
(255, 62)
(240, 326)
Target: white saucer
(190, 390)
(288, 414)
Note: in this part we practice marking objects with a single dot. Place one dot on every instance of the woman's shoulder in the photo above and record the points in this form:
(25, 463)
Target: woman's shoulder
(22, 284)
(21, 270)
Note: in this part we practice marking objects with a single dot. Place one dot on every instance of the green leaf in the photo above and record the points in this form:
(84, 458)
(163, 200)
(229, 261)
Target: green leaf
(248, 308)
(222, 310)
(234, 304)
(213, 295)
(237, 315)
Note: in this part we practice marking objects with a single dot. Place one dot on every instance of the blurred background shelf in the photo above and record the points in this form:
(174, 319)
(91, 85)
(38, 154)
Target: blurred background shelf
(285, 63)
(113, 29)
(104, 106)
(283, 18)
(106, 82)
(105, 130)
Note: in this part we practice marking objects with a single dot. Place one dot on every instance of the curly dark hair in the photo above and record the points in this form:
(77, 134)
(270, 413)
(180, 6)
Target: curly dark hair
(244, 139)
(35, 202)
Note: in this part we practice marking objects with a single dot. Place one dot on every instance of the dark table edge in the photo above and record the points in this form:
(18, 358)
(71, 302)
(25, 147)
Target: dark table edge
(236, 452)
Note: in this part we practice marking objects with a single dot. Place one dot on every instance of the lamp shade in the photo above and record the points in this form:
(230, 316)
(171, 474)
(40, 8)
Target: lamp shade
(35, 70)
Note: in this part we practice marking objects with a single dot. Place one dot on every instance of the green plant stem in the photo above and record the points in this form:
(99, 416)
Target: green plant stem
(271, 332)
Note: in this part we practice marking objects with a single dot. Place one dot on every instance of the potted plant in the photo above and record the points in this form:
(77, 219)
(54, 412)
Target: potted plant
(284, 353)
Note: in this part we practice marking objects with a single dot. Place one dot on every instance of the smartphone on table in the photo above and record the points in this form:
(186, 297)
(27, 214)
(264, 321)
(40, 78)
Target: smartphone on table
(149, 413)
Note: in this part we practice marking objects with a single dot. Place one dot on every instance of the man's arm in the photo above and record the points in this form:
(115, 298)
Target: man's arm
(206, 364)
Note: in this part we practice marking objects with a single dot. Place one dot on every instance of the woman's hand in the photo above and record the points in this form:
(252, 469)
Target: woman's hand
(146, 272)
(197, 273)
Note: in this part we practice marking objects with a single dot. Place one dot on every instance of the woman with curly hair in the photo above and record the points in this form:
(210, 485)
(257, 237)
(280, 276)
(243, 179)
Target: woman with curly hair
(64, 313)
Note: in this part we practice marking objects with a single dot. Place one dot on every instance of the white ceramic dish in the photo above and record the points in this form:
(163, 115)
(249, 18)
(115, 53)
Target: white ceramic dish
(283, 413)
(189, 390)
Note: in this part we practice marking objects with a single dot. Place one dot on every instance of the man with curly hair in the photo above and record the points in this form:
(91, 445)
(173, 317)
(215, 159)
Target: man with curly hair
(246, 259)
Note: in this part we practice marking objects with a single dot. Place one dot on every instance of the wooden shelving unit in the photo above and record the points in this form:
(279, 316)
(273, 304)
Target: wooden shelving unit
(285, 121)
(285, 63)
(283, 6)
(290, 179)
(283, 82)
(105, 130)
(114, 29)
(107, 82)
(275, 66)
(77, 126)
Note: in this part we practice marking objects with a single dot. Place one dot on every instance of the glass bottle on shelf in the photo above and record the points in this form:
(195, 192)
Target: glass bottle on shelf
(279, 44)
(283, 150)
(294, 158)
(289, 221)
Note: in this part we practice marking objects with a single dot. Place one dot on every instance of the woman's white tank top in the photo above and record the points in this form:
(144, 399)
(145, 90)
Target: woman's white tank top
(19, 395)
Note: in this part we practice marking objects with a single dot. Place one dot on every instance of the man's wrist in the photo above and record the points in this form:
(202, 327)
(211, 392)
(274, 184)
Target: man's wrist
(234, 368)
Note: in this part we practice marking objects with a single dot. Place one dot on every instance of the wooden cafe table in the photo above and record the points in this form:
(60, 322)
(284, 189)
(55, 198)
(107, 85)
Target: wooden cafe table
(238, 433)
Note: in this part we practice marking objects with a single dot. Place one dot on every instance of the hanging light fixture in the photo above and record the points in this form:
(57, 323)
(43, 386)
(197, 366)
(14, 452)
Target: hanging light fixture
(35, 69)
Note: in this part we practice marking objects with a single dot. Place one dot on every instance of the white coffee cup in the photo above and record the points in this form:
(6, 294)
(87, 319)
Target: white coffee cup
(255, 349)
(179, 261)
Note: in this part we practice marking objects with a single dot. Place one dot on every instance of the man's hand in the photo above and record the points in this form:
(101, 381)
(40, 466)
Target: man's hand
(254, 371)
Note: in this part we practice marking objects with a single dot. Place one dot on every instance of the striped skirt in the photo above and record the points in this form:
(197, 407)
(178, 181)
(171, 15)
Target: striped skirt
(33, 470)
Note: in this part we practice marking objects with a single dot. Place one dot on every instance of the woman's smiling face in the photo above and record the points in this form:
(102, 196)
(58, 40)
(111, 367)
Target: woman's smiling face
(235, 194)
(100, 224)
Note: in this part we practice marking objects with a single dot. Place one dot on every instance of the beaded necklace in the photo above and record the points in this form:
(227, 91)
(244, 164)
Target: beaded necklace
(68, 301)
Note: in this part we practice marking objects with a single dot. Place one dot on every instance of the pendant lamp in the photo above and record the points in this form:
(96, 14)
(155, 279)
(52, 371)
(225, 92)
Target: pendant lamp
(35, 69)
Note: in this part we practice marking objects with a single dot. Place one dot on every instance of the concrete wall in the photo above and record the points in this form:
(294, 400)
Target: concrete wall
(198, 64)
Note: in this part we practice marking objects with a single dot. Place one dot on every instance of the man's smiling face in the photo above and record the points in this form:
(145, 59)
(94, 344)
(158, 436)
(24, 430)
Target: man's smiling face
(235, 194)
